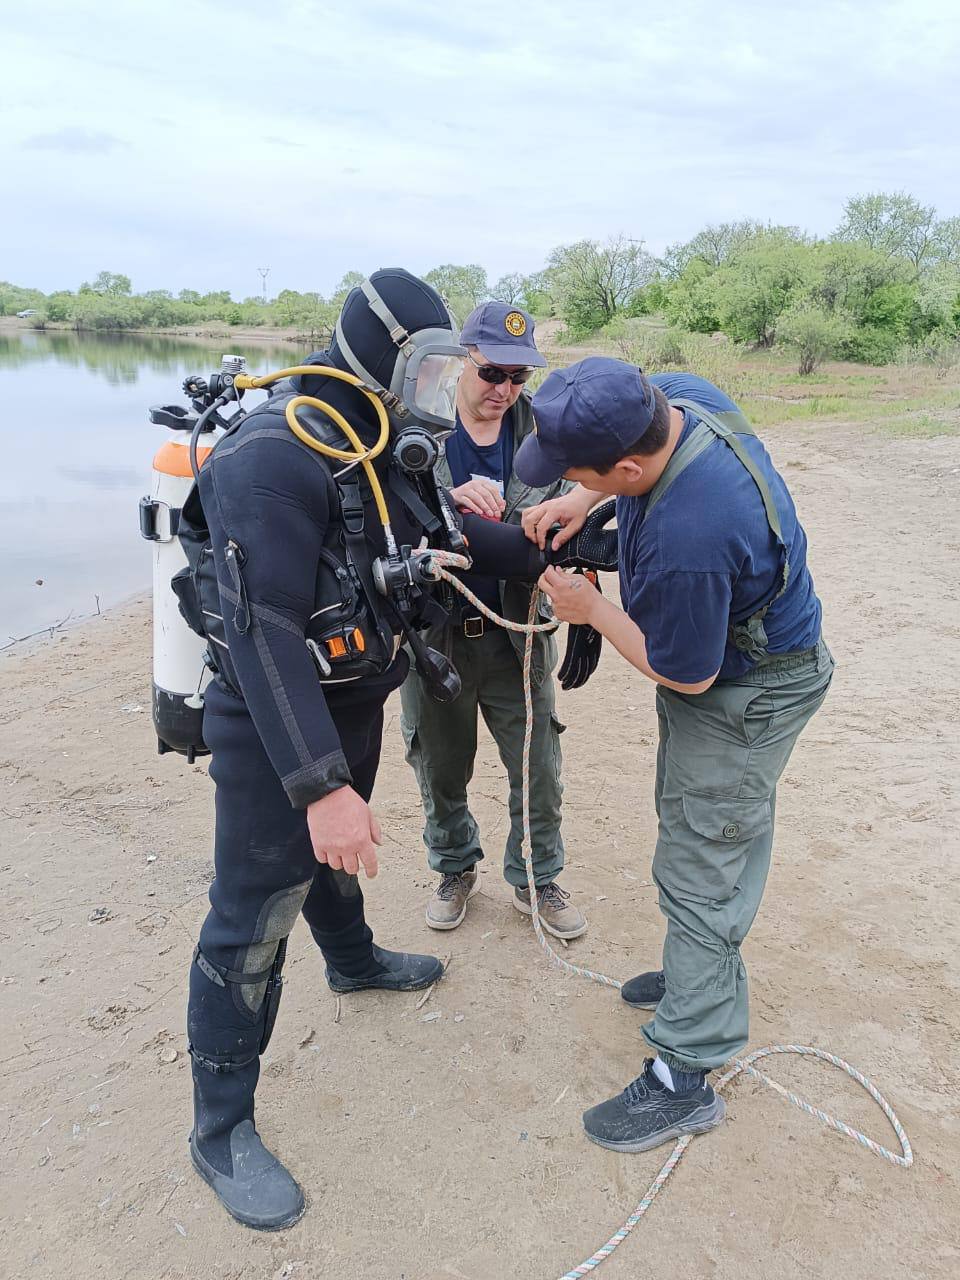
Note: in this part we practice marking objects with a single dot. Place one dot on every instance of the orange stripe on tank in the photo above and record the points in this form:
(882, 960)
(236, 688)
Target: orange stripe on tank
(174, 459)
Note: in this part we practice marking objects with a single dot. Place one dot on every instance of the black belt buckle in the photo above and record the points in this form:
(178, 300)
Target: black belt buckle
(473, 627)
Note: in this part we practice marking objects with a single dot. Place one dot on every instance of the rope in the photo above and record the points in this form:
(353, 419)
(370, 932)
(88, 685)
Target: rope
(740, 1066)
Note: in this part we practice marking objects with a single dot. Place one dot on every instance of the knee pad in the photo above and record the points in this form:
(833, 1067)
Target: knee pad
(277, 917)
(348, 886)
(257, 985)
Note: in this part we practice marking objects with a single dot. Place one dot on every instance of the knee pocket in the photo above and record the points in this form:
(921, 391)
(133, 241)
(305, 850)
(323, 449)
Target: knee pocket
(277, 917)
(694, 961)
(704, 843)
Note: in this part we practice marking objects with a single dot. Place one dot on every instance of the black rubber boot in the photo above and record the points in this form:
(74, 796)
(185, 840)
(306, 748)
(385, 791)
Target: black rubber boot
(227, 1152)
(390, 971)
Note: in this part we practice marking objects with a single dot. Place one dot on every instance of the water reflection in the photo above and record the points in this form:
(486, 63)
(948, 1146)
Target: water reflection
(121, 358)
(77, 449)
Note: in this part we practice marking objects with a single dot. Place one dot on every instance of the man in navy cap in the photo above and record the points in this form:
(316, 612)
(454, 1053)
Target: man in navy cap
(493, 419)
(720, 612)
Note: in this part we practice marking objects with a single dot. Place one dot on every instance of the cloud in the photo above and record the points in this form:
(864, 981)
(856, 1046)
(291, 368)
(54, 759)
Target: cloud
(74, 140)
(344, 136)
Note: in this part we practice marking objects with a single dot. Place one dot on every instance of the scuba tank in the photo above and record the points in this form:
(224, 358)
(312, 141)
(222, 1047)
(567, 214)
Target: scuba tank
(180, 673)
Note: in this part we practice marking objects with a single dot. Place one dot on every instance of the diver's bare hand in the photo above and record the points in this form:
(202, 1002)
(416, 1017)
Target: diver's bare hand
(344, 832)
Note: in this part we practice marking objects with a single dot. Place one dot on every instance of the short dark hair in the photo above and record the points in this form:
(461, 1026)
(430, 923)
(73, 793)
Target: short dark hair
(653, 439)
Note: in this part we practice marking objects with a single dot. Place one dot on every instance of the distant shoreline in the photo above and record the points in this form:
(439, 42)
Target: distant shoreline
(213, 331)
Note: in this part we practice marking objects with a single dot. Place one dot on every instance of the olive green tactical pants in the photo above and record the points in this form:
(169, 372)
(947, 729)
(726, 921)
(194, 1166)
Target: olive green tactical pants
(721, 755)
(441, 742)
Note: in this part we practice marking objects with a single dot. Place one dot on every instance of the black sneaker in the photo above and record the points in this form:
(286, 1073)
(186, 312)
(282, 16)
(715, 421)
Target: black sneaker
(645, 991)
(647, 1114)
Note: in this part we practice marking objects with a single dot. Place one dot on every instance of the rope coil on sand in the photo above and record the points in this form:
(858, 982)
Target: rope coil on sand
(443, 562)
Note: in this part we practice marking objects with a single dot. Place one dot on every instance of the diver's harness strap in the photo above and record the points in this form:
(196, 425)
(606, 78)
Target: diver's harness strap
(414, 504)
(358, 552)
(748, 636)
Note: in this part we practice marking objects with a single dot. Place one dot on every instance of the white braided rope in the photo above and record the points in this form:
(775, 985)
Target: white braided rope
(740, 1065)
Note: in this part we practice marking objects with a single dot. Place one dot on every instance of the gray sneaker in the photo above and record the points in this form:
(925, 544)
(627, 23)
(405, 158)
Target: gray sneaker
(448, 906)
(558, 915)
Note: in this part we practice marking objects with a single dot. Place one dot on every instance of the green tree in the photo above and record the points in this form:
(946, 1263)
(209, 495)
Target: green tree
(351, 280)
(712, 246)
(592, 282)
(938, 298)
(846, 273)
(755, 287)
(14, 298)
(946, 241)
(108, 284)
(813, 332)
(461, 287)
(892, 308)
(715, 245)
(690, 302)
(893, 222)
(510, 289)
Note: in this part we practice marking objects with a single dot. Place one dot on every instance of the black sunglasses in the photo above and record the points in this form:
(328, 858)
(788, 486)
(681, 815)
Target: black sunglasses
(490, 373)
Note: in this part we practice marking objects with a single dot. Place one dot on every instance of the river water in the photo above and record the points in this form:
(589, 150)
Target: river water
(77, 452)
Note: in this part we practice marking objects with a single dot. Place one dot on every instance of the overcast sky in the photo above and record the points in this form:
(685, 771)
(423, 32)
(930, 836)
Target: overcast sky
(186, 144)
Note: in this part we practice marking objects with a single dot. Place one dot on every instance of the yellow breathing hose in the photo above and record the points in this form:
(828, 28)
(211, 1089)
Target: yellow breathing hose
(359, 453)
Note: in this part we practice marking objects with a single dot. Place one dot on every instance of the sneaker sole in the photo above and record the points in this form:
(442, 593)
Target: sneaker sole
(209, 1176)
(712, 1120)
(548, 928)
(639, 1004)
(443, 926)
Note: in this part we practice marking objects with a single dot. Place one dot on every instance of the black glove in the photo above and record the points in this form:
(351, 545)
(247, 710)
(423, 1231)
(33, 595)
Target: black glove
(582, 653)
(594, 547)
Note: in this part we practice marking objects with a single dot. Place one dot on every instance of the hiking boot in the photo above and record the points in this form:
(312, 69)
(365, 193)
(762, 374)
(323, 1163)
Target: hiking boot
(448, 906)
(557, 913)
(391, 971)
(645, 991)
(647, 1113)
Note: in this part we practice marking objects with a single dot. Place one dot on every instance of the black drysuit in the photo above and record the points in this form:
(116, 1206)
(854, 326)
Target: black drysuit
(281, 740)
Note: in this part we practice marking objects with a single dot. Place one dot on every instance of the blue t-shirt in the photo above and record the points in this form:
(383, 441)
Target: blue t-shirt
(707, 557)
(467, 460)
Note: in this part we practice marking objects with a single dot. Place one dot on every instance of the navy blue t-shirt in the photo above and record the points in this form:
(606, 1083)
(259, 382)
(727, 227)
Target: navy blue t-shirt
(467, 460)
(706, 557)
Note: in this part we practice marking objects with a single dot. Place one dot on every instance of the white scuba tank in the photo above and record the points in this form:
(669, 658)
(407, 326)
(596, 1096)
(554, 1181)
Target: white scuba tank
(179, 672)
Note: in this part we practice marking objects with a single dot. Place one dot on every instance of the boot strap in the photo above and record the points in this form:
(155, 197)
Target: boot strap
(220, 976)
(220, 1068)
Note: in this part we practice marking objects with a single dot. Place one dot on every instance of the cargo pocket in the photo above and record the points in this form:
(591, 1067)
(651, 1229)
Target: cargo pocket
(707, 864)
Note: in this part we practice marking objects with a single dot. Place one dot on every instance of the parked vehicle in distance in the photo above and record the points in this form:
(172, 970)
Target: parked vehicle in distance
(23, 315)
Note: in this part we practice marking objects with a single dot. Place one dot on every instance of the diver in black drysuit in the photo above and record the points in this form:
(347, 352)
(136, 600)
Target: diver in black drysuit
(281, 740)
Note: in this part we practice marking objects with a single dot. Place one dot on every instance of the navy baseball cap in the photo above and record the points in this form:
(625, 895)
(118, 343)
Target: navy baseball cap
(502, 334)
(587, 416)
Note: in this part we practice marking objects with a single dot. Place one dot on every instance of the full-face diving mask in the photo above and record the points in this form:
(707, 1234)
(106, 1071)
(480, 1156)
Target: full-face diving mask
(423, 389)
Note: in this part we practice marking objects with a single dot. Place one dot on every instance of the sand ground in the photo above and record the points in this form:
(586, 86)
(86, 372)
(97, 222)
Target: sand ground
(452, 1147)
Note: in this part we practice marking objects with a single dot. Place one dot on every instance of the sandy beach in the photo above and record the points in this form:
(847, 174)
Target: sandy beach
(452, 1147)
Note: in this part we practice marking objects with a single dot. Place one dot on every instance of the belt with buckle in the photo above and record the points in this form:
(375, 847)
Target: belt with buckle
(473, 627)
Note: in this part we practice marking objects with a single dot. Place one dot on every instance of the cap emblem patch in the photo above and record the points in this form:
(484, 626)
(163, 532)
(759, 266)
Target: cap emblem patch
(515, 324)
